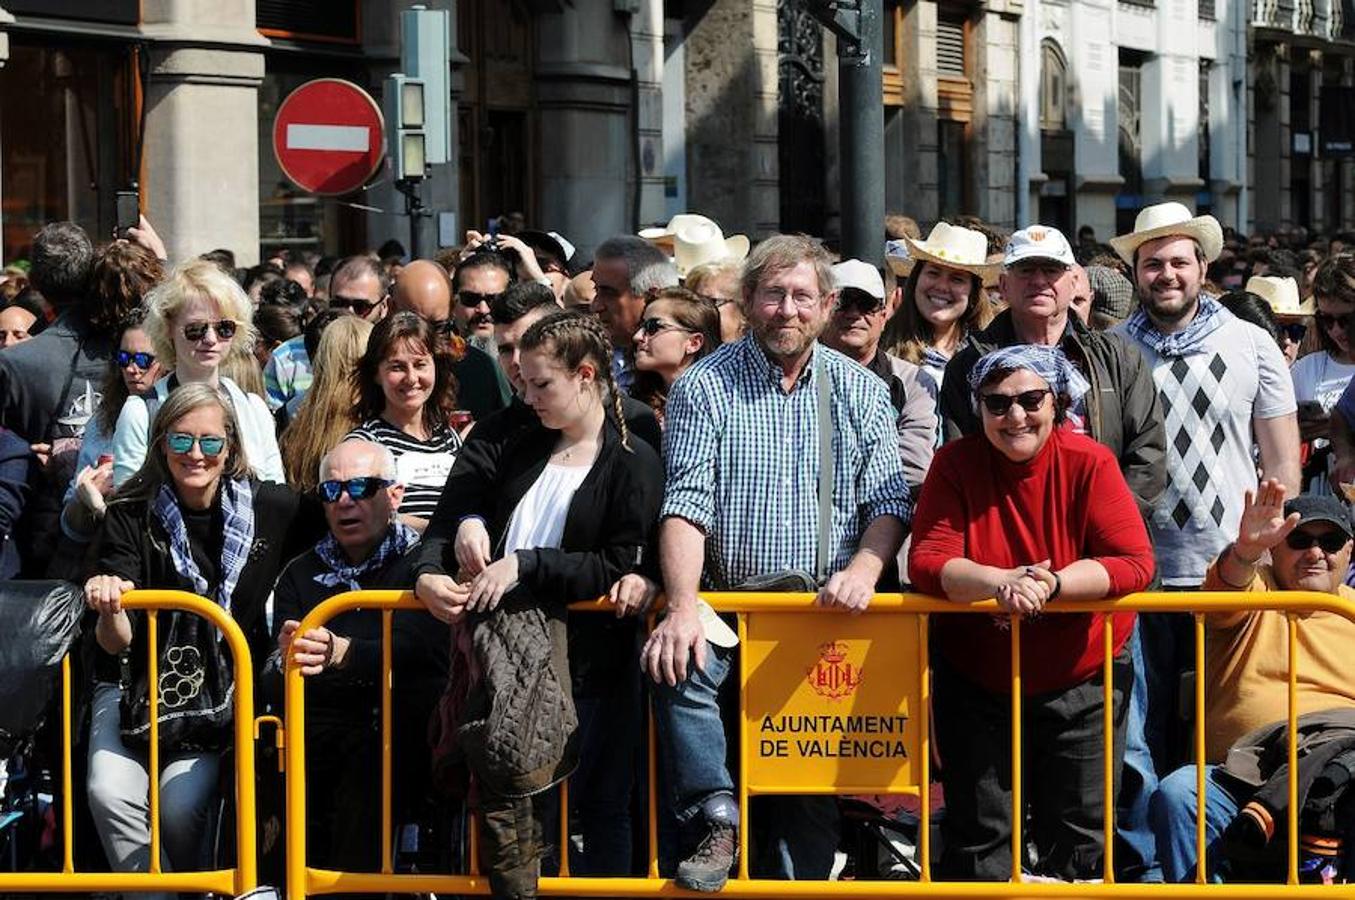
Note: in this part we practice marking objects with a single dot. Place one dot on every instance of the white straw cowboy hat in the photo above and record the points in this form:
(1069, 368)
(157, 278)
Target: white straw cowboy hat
(664, 236)
(697, 241)
(1283, 296)
(956, 248)
(1165, 220)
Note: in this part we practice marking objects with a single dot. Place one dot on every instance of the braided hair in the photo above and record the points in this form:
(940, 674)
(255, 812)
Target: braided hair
(574, 338)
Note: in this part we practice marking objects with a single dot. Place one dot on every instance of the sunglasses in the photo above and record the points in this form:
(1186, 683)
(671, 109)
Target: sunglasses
(356, 488)
(470, 299)
(651, 327)
(859, 301)
(1329, 541)
(1293, 330)
(225, 329)
(143, 360)
(359, 306)
(181, 442)
(1030, 401)
(1326, 320)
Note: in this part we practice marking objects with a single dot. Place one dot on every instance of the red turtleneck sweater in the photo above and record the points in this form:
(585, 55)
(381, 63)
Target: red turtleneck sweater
(1068, 503)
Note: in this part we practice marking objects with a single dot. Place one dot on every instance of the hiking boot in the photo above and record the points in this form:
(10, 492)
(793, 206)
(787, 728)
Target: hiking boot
(707, 869)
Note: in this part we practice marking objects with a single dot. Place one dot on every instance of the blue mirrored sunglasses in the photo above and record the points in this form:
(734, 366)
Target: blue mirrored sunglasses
(356, 488)
(182, 442)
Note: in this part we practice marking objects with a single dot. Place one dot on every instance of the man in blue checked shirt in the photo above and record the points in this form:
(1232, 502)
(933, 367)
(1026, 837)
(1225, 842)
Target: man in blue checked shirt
(743, 459)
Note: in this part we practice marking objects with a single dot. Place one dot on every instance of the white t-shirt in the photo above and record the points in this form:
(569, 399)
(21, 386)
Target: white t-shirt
(1318, 377)
(539, 518)
(1209, 401)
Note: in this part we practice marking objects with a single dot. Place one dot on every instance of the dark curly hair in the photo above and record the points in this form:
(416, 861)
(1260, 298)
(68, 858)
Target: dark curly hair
(388, 335)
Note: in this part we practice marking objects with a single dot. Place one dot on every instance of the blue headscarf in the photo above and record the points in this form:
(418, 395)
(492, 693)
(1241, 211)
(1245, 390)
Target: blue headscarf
(1049, 363)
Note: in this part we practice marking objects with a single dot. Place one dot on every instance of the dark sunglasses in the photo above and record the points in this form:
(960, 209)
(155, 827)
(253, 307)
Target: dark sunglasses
(1030, 401)
(470, 299)
(143, 360)
(1326, 320)
(356, 488)
(651, 327)
(359, 306)
(1293, 330)
(225, 329)
(1329, 541)
(860, 301)
(181, 442)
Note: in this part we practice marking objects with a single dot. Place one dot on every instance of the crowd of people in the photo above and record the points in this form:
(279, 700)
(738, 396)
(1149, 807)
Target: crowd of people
(507, 429)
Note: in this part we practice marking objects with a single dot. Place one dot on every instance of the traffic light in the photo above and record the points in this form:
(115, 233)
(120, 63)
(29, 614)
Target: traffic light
(405, 112)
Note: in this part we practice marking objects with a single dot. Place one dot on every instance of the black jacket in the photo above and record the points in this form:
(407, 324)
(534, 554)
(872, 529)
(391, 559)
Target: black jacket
(608, 532)
(1123, 409)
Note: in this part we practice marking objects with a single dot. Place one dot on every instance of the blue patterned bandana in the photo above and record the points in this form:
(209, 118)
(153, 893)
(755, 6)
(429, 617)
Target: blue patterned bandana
(237, 508)
(1048, 362)
(399, 538)
(1185, 342)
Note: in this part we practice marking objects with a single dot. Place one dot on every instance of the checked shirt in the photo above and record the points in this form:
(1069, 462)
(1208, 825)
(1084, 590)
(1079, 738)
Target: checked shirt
(743, 460)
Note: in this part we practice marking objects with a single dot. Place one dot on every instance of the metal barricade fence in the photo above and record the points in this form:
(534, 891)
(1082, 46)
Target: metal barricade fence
(772, 629)
(236, 880)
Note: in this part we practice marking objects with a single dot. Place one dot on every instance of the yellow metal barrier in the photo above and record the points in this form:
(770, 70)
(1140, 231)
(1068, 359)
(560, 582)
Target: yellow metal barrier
(303, 881)
(244, 876)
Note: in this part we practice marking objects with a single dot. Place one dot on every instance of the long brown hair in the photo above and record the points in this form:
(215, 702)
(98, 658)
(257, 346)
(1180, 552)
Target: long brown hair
(1334, 280)
(113, 393)
(908, 335)
(323, 418)
(401, 328)
(573, 338)
(697, 316)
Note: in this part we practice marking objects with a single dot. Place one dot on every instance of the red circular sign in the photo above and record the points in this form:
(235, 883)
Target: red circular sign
(329, 137)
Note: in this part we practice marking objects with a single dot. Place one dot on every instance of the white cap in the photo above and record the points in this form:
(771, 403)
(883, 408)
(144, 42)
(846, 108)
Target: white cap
(853, 273)
(1038, 242)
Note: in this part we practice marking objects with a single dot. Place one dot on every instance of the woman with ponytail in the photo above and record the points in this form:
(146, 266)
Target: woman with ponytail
(574, 507)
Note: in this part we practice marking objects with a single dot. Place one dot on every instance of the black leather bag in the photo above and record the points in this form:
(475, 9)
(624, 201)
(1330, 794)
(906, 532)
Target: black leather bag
(195, 687)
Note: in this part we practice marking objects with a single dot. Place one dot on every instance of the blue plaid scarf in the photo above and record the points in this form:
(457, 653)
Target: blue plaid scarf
(1048, 362)
(399, 538)
(1209, 316)
(237, 508)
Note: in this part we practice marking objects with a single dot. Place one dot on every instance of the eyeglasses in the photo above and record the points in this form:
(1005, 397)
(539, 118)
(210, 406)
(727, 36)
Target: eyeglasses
(651, 327)
(143, 360)
(196, 331)
(358, 305)
(1293, 330)
(181, 442)
(777, 297)
(356, 488)
(850, 299)
(718, 301)
(1329, 541)
(1326, 320)
(470, 299)
(1030, 401)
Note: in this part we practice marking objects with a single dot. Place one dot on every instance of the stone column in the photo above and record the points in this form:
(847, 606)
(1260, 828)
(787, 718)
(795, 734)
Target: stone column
(731, 84)
(1093, 71)
(1270, 93)
(919, 167)
(1171, 107)
(996, 99)
(201, 143)
(646, 36)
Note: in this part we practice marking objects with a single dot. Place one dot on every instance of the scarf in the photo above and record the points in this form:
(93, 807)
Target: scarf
(1048, 362)
(399, 538)
(1208, 317)
(237, 508)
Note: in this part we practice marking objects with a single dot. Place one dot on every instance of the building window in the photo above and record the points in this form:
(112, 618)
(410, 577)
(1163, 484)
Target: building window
(1128, 114)
(327, 21)
(955, 109)
(950, 45)
(952, 166)
(892, 52)
(1205, 139)
(1053, 87)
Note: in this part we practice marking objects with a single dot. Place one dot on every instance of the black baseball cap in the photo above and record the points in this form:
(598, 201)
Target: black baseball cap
(1320, 508)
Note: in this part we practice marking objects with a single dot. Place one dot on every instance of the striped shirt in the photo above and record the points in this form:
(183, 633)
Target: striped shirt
(743, 461)
(421, 466)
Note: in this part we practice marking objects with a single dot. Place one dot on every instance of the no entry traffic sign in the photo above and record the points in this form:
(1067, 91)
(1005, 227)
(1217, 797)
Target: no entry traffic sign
(328, 136)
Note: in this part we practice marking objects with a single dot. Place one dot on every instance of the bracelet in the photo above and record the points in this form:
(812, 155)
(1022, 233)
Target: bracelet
(1058, 586)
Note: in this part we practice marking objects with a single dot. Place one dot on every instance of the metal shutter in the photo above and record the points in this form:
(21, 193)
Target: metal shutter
(950, 47)
(335, 20)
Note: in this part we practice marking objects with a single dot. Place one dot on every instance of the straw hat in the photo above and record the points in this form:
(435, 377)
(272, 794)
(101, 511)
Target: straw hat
(664, 236)
(955, 248)
(695, 240)
(1283, 296)
(1165, 220)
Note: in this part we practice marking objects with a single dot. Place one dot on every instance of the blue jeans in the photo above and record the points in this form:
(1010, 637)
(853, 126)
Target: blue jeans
(1172, 813)
(796, 836)
(1136, 859)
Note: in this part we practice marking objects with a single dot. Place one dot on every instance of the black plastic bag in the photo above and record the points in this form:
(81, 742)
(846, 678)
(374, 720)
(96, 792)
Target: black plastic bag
(39, 621)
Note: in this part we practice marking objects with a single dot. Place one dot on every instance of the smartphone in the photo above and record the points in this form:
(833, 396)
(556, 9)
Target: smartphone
(129, 212)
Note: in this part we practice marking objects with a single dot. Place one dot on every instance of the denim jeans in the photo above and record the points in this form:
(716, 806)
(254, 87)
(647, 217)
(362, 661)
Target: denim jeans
(600, 788)
(1172, 813)
(1063, 752)
(1167, 644)
(795, 837)
(1136, 852)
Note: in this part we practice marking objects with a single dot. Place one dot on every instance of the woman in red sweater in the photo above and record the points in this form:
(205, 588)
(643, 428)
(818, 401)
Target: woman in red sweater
(1030, 513)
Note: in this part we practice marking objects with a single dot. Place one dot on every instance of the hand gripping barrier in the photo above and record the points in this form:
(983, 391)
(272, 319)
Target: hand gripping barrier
(770, 626)
(244, 876)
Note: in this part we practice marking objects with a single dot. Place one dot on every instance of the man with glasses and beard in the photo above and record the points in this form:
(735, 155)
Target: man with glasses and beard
(359, 285)
(477, 282)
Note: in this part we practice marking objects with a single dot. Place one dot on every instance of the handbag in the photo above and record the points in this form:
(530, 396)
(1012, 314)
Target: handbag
(797, 580)
(195, 689)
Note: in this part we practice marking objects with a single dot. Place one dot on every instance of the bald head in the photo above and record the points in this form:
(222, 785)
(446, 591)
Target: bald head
(423, 287)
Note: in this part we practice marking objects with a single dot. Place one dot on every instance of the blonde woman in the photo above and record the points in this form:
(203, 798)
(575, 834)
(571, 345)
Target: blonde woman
(325, 415)
(193, 318)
